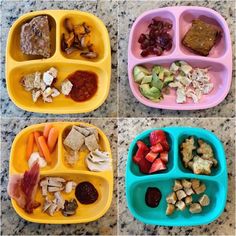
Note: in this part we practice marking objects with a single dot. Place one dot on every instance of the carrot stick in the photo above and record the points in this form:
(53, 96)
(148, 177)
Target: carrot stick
(44, 147)
(30, 146)
(46, 130)
(52, 138)
(36, 135)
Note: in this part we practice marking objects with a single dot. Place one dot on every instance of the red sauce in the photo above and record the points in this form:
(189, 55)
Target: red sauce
(84, 85)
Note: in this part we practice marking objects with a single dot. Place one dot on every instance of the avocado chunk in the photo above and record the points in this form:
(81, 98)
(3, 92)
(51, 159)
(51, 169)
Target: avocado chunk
(139, 73)
(151, 93)
(147, 79)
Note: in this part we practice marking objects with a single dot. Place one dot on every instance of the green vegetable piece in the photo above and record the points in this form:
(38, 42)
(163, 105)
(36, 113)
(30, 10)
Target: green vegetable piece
(156, 69)
(151, 93)
(139, 73)
(157, 83)
(147, 79)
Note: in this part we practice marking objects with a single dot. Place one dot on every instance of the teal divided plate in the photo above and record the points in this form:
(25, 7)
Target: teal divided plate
(137, 183)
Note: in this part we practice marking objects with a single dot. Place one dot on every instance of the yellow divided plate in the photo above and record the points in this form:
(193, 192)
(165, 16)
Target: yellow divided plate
(18, 64)
(102, 181)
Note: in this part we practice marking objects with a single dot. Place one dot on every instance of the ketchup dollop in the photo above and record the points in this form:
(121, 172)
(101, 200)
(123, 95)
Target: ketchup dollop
(84, 85)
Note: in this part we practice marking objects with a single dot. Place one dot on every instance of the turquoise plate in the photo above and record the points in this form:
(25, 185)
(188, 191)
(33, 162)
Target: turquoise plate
(137, 183)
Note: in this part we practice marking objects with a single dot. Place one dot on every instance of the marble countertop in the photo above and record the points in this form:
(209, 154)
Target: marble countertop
(105, 10)
(12, 224)
(223, 128)
(129, 106)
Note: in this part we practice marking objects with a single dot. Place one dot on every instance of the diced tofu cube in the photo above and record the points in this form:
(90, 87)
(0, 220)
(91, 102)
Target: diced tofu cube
(66, 87)
(204, 200)
(170, 209)
(35, 95)
(186, 183)
(180, 205)
(47, 78)
(180, 194)
(171, 198)
(200, 189)
(53, 71)
(188, 191)
(195, 183)
(188, 200)
(195, 208)
(177, 185)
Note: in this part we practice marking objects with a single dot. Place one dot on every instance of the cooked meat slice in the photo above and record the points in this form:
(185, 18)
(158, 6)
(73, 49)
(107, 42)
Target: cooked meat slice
(58, 179)
(177, 185)
(170, 209)
(53, 71)
(54, 183)
(186, 183)
(195, 208)
(187, 148)
(188, 200)
(66, 87)
(200, 189)
(180, 205)
(195, 183)
(70, 185)
(201, 37)
(27, 81)
(188, 191)
(51, 210)
(91, 142)
(55, 92)
(43, 182)
(44, 189)
(60, 201)
(204, 200)
(74, 140)
(180, 194)
(54, 189)
(35, 37)
(37, 80)
(171, 198)
(35, 95)
(201, 166)
(47, 204)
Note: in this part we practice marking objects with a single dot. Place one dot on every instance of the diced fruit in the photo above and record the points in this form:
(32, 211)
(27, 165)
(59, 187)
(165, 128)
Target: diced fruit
(157, 136)
(144, 165)
(141, 152)
(151, 156)
(157, 165)
(157, 148)
(142, 145)
(165, 145)
(164, 157)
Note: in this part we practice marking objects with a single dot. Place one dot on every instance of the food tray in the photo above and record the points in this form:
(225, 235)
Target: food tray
(219, 60)
(137, 183)
(18, 64)
(102, 181)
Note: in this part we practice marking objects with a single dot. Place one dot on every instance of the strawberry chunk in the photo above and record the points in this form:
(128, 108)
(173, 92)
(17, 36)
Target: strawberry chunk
(141, 152)
(164, 157)
(142, 145)
(157, 148)
(165, 145)
(157, 165)
(157, 136)
(144, 166)
(151, 156)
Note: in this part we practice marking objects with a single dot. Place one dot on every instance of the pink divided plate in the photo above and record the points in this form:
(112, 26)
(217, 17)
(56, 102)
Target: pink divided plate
(219, 61)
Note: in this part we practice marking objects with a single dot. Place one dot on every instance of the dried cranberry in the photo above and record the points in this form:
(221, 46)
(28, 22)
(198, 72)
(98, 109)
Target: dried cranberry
(168, 46)
(142, 37)
(144, 53)
(152, 34)
(168, 25)
(145, 44)
(157, 51)
(153, 197)
(164, 39)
